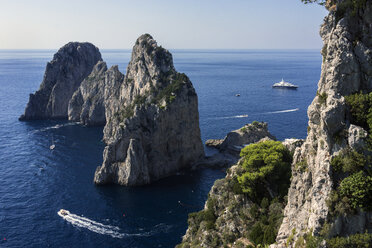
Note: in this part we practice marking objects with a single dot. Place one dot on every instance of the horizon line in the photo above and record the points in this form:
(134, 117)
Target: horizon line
(205, 49)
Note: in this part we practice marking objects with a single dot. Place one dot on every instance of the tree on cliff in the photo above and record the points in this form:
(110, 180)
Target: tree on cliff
(321, 2)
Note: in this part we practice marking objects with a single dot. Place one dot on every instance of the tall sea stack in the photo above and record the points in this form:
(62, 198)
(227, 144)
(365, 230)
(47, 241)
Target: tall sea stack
(152, 122)
(63, 75)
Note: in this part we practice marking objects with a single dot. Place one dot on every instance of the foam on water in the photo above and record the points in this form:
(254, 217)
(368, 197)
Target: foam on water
(232, 117)
(56, 127)
(103, 229)
(92, 225)
(283, 111)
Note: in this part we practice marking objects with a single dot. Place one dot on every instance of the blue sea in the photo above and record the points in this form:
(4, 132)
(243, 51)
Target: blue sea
(36, 182)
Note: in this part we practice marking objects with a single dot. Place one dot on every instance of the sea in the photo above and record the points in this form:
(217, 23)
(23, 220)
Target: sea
(36, 182)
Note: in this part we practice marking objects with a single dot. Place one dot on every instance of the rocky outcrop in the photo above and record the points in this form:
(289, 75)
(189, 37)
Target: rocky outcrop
(63, 75)
(237, 139)
(152, 121)
(87, 104)
(292, 144)
(229, 147)
(230, 219)
(346, 69)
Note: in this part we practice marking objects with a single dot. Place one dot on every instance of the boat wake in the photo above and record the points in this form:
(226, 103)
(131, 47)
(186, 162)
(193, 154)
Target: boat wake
(56, 127)
(233, 117)
(103, 229)
(283, 111)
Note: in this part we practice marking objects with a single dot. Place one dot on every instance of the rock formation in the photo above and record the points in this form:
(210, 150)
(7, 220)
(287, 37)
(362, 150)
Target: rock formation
(335, 151)
(63, 75)
(227, 217)
(237, 139)
(87, 104)
(346, 69)
(152, 121)
(229, 147)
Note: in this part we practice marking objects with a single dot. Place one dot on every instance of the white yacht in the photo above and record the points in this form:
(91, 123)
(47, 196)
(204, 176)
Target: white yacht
(283, 84)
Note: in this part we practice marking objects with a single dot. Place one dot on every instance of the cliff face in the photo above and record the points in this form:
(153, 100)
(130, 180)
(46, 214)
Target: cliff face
(346, 69)
(152, 121)
(87, 104)
(63, 75)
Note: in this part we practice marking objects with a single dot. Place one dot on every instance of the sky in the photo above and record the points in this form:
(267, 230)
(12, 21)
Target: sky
(175, 24)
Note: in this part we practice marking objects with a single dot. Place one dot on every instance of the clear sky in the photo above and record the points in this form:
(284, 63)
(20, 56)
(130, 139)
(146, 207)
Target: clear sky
(175, 24)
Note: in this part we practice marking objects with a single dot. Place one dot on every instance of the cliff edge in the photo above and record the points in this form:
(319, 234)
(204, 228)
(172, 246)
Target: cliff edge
(335, 135)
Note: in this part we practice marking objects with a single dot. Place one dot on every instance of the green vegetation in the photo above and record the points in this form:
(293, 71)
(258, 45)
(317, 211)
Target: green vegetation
(207, 216)
(266, 170)
(308, 241)
(352, 189)
(353, 5)
(243, 129)
(360, 106)
(321, 2)
(264, 176)
(322, 97)
(358, 189)
(339, 136)
(169, 92)
(301, 166)
(267, 218)
(348, 161)
(128, 111)
(256, 123)
(342, 7)
(353, 241)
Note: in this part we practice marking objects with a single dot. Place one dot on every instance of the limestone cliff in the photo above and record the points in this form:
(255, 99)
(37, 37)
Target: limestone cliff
(87, 104)
(152, 121)
(346, 69)
(63, 75)
(330, 192)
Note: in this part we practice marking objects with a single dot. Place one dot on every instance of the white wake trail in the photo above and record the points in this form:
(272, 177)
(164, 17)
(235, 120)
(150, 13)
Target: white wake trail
(56, 127)
(233, 117)
(100, 228)
(283, 111)
(92, 225)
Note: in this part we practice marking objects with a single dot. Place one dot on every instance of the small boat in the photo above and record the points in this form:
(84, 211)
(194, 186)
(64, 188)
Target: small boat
(52, 146)
(237, 95)
(285, 85)
(63, 212)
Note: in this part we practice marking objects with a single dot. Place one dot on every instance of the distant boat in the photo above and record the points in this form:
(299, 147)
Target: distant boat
(63, 212)
(285, 85)
(237, 95)
(53, 145)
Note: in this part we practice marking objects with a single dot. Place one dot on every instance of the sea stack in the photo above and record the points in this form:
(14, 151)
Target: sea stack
(63, 75)
(152, 121)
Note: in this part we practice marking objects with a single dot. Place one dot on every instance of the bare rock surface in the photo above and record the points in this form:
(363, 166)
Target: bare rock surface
(346, 69)
(63, 75)
(152, 120)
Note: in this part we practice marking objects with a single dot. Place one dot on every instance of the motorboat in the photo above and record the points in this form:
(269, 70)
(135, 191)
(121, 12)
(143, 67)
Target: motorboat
(63, 212)
(285, 85)
(237, 95)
